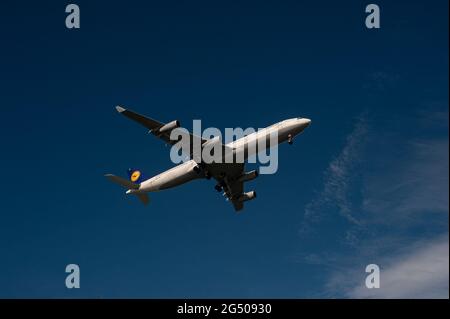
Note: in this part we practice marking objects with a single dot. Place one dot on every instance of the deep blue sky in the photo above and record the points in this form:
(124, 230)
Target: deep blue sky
(378, 100)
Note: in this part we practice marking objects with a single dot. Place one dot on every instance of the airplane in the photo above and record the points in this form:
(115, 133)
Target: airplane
(230, 176)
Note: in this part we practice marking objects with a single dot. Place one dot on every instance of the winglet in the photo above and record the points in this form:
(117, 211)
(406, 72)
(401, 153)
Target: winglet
(120, 109)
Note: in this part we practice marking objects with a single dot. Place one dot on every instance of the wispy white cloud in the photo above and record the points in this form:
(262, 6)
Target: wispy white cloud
(394, 188)
(419, 271)
(414, 185)
(338, 176)
(403, 196)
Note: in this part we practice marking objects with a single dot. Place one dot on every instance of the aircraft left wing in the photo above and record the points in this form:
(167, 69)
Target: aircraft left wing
(159, 129)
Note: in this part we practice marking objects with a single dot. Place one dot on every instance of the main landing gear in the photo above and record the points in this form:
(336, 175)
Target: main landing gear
(199, 169)
(219, 187)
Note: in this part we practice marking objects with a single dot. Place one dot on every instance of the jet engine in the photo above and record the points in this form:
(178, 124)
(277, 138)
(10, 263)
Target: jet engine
(169, 126)
(247, 196)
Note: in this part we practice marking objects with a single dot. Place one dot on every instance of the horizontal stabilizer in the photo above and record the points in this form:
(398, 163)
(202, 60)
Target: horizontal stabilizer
(143, 197)
(122, 181)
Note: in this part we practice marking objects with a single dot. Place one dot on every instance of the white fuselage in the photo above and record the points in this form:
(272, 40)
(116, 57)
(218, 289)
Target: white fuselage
(187, 171)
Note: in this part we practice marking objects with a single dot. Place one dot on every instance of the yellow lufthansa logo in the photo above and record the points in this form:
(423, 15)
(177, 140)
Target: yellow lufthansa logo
(135, 176)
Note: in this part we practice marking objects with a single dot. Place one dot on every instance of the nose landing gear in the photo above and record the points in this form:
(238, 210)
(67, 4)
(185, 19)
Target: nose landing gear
(290, 139)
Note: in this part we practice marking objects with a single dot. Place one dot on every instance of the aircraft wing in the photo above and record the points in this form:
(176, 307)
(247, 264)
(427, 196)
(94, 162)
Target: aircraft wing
(227, 174)
(155, 126)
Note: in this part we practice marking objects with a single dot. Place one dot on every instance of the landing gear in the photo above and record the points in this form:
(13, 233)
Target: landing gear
(197, 169)
(200, 168)
(290, 139)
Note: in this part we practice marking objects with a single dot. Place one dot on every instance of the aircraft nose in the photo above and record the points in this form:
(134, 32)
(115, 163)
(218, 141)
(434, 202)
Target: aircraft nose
(305, 122)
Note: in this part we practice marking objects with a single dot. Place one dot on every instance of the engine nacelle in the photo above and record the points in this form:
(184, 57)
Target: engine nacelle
(169, 126)
(248, 176)
(247, 196)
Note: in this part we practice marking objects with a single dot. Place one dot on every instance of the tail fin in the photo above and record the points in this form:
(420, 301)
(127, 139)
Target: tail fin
(143, 197)
(136, 176)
